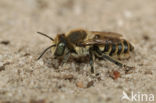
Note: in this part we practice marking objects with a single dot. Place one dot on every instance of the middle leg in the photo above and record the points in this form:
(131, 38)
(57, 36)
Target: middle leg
(91, 59)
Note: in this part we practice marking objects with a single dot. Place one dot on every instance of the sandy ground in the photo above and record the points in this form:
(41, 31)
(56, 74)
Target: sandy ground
(24, 79)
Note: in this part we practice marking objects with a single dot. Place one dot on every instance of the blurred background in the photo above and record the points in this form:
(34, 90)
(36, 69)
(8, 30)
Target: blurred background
(20, 19)
(20, 45)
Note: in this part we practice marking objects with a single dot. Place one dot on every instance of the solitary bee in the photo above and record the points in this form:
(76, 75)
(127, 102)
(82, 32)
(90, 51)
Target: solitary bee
(79, 42)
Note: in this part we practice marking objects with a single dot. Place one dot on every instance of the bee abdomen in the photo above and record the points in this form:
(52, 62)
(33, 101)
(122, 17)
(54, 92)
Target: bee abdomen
(119, 50)
(131, 47)
(123, 47)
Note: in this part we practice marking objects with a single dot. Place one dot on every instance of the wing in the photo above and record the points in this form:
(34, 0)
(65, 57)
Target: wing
(99, 41)
(107, 34)
(101, 38)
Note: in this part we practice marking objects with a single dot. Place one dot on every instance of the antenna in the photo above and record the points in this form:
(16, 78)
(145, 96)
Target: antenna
(45, 51)
(46, 35)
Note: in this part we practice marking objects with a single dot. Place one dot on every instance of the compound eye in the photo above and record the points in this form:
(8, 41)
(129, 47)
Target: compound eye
(60, 49)
(61, 45)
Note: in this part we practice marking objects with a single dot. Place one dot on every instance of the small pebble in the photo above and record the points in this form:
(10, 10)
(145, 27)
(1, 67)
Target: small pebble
(114, 75)
(5, 42)
(79, 84)
(37, 101)
(148, 72)
(91, 83)
(2, 68)
(68, 77)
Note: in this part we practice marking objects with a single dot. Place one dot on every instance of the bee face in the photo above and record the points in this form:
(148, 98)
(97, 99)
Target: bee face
(61, 45)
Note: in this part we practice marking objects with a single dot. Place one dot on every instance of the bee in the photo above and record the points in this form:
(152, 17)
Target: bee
(94, 44)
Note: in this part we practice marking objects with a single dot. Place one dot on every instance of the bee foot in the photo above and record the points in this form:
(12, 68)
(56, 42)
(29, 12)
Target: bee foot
(128, 69)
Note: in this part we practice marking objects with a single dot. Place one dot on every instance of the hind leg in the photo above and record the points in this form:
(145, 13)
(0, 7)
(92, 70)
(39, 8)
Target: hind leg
(116, 61)
(91, 59)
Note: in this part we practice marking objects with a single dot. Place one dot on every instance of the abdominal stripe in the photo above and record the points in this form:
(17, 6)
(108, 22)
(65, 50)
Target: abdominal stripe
(125, 46)
(120, 47)
(113, 49)
(107, 46)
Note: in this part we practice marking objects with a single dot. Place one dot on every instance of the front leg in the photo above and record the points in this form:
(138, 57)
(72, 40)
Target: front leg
(66, 57)
(91, 59)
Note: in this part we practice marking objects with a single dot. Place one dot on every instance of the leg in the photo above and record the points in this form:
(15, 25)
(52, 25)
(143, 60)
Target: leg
(66, 57)
(91, 60)
(104, 56)
(114, 61)
(126, 68)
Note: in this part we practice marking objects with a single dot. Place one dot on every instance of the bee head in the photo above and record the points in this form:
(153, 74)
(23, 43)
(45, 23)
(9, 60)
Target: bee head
(61, 45)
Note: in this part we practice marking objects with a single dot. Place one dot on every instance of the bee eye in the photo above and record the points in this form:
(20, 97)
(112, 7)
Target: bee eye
(61, 45)
(60, 49)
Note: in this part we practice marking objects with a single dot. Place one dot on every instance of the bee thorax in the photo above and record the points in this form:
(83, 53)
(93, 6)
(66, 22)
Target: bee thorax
(81, 51)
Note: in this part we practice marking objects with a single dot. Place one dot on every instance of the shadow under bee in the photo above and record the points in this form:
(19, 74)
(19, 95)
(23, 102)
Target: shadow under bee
(51, 62)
